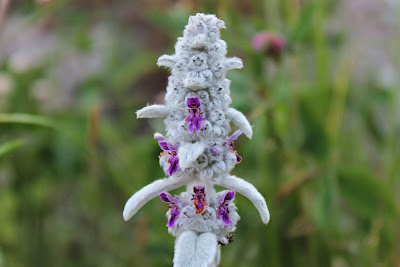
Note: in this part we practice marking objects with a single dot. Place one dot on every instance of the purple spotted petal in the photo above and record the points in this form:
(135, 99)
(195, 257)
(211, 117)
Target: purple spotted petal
(229, 196)
(174, 165)
(199, 121)
(168, 146)
(193, 102)
(199, 189)
(191, 127)
(194, 119)
(195, 122)
(199, 198)
(167, 198)
(199, 205)
(226, 219)
(223, 210)
(174, 215)
(164, 144)
(234, 136)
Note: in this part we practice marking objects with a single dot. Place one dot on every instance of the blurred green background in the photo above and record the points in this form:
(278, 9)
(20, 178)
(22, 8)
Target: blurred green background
(325, 110)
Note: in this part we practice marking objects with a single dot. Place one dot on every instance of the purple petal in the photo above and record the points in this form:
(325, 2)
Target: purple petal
(222, 210)
(198, 189)
(172, 147)
(159, 137)
(174, 215)
(164, 146)
(167, 198)
(199, 198)
(167, 146)
(223, 213)
(199, 205)
(191, 127)
(195, 101)
(198, 125)
(226, 219)
(229, 196)
(200, 118)
(215, 150)
(174, 165)
(190, 118)
(234, 136)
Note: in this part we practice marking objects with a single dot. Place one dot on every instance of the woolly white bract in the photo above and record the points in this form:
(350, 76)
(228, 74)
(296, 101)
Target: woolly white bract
(197, 149)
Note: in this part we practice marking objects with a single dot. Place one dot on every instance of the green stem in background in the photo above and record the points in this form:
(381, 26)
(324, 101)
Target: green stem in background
(337, 106)
(272, 13)
(392, 159)
(320, 48)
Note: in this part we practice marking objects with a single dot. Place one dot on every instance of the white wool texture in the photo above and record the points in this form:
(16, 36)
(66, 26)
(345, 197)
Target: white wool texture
(206, 156)
(196, 250)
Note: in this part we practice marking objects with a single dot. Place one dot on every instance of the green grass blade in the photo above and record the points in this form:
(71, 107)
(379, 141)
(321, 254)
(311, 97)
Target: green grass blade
(9, 146)
(27, 119)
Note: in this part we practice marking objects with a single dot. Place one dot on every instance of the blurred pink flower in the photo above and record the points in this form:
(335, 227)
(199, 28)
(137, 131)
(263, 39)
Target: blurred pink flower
(270, 43)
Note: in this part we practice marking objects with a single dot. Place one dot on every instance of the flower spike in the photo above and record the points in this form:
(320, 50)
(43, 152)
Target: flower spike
(197, 150)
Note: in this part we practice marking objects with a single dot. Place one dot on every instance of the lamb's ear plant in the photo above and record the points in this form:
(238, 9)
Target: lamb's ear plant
(197, 149)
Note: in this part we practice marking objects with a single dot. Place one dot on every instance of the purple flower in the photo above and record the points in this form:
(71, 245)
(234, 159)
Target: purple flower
(230, 140)
(199, 199)
(167, 198)
(223, 210)
(172, 150)
(195, 120)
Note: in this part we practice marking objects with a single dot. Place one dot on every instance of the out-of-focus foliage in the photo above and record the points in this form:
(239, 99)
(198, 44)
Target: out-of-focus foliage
(325, 152)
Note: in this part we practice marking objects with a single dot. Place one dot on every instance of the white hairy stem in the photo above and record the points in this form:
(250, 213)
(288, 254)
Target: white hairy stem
(149, 192)
(240, 121)
(207, 250)
(185, 249)
(218, 258)
(189, 152)
(153, 111)
(248, 190)
(193, 250)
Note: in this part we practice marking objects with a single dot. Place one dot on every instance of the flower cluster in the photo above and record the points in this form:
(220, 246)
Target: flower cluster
(197, 149)
(193, 212)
